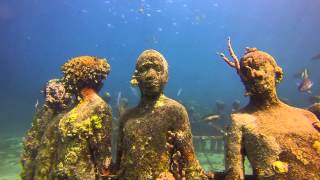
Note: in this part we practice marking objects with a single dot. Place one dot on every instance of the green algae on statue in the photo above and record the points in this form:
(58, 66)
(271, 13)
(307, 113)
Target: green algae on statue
(78, 144)
(85, 131)
(279, 140)
(155, 138)
(57, 100)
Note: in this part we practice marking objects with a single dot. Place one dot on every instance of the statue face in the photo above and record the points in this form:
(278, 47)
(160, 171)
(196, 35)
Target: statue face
(151, 74)
(260, 73)
(56, 95)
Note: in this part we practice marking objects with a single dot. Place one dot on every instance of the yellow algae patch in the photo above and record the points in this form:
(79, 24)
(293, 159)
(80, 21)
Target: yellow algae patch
(316, 145)
(160, 102)
(165, 175)
(134, 82)
(280, 167)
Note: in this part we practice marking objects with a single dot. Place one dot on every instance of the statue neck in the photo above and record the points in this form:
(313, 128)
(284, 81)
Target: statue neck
(264, 100)
(87, 93)
(150, 100)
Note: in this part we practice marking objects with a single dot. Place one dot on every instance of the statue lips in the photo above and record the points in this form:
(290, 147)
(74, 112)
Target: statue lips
(151, 84)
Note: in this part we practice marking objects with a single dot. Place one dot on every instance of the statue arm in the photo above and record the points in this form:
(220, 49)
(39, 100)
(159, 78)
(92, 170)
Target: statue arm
(234, 160)
(119, 144)
(183, 149)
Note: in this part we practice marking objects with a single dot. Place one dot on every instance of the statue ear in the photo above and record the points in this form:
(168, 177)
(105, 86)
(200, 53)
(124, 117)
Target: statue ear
(134, 82)
(278, 74)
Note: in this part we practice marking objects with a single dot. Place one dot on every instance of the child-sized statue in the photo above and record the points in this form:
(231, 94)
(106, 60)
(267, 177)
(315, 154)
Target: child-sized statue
(279, 140)
(145, 151)
(57, 100)
(78, 146)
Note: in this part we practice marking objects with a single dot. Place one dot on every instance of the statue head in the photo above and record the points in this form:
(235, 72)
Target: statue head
(151, 74)
(259, 72)
(85, 72)
(257, 69)
(56, 95)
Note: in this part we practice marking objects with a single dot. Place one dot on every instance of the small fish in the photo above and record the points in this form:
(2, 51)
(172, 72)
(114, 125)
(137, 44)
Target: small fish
(211, 118)
(179, 92)
(316, 57)
(306, 84)
(84, 11)
(36, 105)
(118, 98)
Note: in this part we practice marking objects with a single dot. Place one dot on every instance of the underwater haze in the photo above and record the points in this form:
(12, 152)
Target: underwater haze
(38, 36)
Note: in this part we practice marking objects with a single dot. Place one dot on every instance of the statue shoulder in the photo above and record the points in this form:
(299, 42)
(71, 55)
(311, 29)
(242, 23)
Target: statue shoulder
(128, 114)
(306, 113)
(175, 105)
(242, 119)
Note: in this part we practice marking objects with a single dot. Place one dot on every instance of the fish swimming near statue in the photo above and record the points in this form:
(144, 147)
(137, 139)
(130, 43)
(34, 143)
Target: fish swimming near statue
(211, 118)
(179, 92)
(306, 84)
(316, 57)
(36, 105)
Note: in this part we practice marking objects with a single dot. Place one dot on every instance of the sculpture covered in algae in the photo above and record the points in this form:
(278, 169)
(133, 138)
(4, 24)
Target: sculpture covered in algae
(280, 141)
(57, 100)
(77, 145)
(155, 139)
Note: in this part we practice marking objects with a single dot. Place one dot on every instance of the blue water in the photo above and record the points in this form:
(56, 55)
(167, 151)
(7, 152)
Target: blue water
(38, 36)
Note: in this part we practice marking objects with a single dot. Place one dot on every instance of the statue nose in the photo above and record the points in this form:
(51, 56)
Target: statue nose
(151, 74)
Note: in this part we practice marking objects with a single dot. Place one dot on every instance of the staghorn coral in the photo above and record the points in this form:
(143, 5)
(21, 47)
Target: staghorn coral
(279, 140)
(85, 71)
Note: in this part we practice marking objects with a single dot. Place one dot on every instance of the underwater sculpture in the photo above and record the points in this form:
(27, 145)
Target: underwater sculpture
(57, 99)
(279, 140)
(78, 144)
(85, 131)
(155, 139)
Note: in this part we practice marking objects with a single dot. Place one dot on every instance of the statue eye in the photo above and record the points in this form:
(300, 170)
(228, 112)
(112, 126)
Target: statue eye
(157, 68)
(143, 68)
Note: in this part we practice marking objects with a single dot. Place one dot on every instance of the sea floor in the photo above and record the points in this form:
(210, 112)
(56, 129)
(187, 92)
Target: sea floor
(11, 146)
(215, 162)
(10, 149)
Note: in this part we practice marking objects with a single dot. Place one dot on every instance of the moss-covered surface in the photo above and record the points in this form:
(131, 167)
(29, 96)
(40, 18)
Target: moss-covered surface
(32, 140)
(74, 144)
(155, 137)
(279, 140)
(144, 146)
(85, 71)
(85, 134)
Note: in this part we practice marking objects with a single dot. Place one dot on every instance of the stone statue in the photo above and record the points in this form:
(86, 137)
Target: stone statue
(279, 140)
(57, 100)
(77, 145)
(155, 139)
